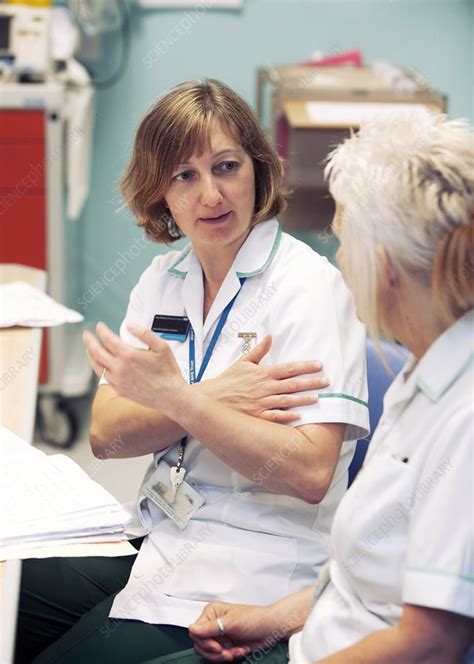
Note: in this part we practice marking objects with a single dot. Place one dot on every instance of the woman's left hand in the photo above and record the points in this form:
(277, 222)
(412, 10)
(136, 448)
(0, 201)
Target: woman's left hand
(149, 377)
(246, 629)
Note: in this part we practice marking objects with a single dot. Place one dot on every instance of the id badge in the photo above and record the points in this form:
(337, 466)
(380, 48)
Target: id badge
(187, 500)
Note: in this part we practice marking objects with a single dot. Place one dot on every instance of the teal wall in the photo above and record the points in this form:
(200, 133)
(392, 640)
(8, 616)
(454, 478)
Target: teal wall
(433, 36)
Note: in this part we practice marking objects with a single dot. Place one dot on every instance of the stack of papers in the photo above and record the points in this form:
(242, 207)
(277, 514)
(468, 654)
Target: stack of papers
(22, 304)
(50, 500)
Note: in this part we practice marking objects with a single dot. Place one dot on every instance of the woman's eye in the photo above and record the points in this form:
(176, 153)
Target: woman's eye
(227, 166)
(184, 176)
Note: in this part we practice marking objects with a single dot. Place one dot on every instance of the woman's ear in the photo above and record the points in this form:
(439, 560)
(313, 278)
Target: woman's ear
(389, 278)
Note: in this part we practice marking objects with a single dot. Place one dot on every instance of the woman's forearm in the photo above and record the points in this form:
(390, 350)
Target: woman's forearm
(121, 428)
(279, 457)
(423, 636)
(388, 646)
(290, 613)
(295, 462)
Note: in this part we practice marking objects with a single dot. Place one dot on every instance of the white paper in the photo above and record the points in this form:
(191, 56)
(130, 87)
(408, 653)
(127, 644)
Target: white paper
(348, 114)
(22, 304)
(46, 500)
(13, 447)
(66, 549)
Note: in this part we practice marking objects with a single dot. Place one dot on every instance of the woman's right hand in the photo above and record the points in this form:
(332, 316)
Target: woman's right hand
(268, 392)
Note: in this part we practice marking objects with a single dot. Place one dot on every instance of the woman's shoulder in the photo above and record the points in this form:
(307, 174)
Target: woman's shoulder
(294, 254)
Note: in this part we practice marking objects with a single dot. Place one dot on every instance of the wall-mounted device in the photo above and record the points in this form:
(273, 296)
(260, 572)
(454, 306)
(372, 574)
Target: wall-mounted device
(25, 41)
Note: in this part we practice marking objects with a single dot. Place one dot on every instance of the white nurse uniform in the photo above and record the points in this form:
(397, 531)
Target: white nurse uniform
(403, 533)
(246, 543)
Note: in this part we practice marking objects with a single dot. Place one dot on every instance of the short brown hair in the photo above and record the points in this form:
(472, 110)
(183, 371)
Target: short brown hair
(179, 124)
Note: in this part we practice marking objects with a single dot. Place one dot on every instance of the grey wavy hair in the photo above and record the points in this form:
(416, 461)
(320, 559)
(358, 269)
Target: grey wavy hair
(406, 183)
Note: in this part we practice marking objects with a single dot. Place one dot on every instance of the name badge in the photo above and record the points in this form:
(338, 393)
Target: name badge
(178, 503)
(173, 328)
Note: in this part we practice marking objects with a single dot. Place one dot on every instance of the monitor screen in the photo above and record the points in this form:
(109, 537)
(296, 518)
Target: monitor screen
(5, 33)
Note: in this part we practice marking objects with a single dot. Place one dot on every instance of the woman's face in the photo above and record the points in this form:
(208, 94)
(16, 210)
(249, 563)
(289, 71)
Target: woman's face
(212, 196)
(336, 229)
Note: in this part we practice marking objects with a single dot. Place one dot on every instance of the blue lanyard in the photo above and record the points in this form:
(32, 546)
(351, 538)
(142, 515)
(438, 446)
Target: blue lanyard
(207, 356)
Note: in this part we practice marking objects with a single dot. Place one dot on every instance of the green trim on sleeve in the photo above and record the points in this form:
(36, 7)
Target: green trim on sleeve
(441, 572)
(273, 251)
(340, 395)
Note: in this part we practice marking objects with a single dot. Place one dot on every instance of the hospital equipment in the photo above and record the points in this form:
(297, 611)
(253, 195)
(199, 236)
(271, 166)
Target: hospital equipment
(24, 40)
(35, 144)
(46, 119)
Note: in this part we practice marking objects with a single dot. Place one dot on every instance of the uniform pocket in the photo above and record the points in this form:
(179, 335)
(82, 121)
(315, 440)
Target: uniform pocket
(370, 530)
(211, 561)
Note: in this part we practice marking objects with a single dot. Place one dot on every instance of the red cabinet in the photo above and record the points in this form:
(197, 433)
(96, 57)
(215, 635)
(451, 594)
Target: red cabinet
(23, 196)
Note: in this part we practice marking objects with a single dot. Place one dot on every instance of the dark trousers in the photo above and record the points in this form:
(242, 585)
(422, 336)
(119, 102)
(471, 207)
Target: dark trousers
(63, 618)
(63, 615)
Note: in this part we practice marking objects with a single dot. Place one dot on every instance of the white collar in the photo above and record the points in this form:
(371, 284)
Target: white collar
(254, 255)
(444, 361)
(447, 358)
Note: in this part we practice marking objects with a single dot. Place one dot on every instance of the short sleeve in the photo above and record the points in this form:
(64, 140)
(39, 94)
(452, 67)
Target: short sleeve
(439, 565)
(315, 319)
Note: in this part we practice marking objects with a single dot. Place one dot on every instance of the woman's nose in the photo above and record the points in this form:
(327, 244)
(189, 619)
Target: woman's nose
(210, 193)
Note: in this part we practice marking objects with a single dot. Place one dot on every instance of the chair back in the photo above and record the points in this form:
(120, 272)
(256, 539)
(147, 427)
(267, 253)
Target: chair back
(379, 380)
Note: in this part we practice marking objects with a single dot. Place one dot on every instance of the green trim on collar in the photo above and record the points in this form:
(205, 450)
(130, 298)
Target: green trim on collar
(426, 389)
(442, 572)
(438, 392)
(276, 243)
(340, 395)
(173, 270)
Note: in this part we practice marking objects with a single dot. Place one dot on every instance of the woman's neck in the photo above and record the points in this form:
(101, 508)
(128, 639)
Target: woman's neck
(215, 266)
(216, 263)
(416, 327)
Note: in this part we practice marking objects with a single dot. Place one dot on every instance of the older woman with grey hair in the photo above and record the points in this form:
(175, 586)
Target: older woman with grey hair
(399, 587)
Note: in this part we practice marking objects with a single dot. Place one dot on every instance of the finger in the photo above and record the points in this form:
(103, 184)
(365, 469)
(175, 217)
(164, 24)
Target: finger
(225, 642)
(110, 341)
(287, 401)
(97, 368)
(210, 645)
(205, 629)
(258, 353)
(289, 369)
(291, 385)
(152, 340)
(97, 352)
(223, 656)
(242, 651)
(208, 656)
(280, 416)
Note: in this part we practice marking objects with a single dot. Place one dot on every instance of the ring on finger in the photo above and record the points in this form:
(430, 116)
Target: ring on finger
(220, 624)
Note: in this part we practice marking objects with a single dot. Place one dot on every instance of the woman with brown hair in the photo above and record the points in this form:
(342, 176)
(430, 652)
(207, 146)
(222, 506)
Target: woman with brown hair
(238, 504)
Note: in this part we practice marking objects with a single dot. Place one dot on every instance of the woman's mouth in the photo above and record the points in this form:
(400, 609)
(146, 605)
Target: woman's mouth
(217, 219)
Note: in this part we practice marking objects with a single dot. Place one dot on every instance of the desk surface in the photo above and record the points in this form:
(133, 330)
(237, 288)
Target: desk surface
(19, 365)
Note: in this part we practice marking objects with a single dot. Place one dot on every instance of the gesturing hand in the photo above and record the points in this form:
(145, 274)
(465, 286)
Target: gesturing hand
(266, 391)
(150, 377)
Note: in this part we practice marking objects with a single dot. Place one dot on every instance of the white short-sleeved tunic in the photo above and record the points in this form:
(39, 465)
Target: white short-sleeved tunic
(403, 533)
(248, 544)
